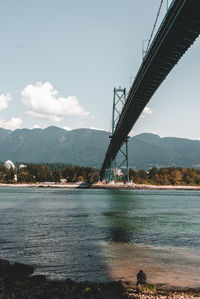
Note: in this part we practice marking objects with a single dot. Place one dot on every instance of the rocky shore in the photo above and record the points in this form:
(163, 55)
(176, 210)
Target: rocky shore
(17, 281)
(130, 185)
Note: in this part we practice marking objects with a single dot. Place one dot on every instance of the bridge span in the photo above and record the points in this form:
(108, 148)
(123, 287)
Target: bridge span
(177, 32)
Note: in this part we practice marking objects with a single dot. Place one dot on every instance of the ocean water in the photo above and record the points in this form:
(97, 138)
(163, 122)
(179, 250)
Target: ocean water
(102, 235)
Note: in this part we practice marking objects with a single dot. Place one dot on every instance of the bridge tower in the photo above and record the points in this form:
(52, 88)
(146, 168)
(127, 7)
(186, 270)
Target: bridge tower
(118, 166)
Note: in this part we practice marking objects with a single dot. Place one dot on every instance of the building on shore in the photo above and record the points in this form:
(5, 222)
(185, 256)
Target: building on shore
(9, 164)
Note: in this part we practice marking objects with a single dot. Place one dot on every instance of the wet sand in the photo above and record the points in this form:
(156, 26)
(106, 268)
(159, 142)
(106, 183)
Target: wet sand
(176, 268)
(18, 281)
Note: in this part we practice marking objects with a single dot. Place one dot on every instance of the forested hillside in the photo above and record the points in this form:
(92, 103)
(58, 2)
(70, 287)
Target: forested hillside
(86, 147)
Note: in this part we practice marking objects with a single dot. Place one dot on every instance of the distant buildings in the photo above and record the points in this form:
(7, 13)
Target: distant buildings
(10, 165)
(22, 166)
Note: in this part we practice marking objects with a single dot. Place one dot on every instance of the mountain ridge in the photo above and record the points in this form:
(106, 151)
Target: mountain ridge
(87, 147)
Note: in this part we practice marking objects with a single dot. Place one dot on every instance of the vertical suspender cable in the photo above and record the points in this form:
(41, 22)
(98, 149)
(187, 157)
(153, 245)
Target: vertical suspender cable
(154, 26)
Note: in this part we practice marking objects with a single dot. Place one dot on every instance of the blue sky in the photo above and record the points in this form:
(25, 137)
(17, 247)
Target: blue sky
(60, 61)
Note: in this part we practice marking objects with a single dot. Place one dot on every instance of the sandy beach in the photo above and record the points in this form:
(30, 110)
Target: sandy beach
(47, 185)
(100, 185)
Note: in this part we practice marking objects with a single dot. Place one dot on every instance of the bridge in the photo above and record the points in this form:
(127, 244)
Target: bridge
(177, 32)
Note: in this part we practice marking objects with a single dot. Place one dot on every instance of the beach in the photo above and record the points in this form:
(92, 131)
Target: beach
(18, 281)
(100, 185)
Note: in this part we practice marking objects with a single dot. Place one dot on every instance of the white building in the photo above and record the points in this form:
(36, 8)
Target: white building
(9, 164)
(22, 166)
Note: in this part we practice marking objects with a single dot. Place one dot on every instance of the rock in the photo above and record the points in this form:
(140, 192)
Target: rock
(4, 266)
(21, 270)
(38, 278)
(69, 281)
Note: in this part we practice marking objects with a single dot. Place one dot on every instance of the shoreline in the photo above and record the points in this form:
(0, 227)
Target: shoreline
(19, 281)
(132, 186)
(99, 185)
(39, 287)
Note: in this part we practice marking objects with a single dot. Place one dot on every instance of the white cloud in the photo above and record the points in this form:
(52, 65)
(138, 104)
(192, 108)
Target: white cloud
(93, 128)
(67, 128)
(4, 99)
(44, 102)
(198, 138)
(146, 111)
(36, 127)
(12, 124)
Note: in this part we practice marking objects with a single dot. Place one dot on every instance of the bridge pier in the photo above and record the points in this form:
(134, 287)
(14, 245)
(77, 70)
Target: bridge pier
(118, 168)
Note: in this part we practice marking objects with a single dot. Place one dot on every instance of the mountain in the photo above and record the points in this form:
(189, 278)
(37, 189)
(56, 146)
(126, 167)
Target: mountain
(151, 150)
(83, 147)
(86, 147)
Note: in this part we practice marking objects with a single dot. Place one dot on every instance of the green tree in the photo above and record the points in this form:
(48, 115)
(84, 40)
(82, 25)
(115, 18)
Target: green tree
(57, 175)
(9, 175)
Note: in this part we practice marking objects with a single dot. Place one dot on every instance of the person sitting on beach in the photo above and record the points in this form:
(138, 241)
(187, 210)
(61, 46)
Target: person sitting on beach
(141, 278)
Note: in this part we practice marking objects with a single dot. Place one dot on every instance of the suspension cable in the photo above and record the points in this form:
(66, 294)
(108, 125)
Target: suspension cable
(154, 26)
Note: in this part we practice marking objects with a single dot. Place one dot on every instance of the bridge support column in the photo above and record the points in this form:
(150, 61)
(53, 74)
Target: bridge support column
(121, 168)
(127, 166)
(124, 166)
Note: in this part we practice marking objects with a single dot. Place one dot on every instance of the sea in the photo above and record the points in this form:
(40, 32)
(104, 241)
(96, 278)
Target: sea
(103, 235)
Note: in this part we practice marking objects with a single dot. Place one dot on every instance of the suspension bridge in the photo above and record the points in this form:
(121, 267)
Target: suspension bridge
(177, 32)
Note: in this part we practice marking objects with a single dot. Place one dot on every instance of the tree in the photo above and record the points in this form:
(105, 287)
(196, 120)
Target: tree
(57, 175)
(9, 175)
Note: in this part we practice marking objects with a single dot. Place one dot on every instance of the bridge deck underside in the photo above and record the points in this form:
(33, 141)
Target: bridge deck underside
(179, 29)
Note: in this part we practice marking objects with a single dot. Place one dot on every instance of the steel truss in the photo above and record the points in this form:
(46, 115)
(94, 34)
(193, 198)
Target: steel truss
(116, 165)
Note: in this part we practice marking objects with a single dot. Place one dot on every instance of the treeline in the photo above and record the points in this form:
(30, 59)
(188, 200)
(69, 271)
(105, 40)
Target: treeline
(166, 176)
(33, 173)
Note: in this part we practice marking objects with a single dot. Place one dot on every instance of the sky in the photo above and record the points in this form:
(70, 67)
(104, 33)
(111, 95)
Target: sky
(60, 61)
